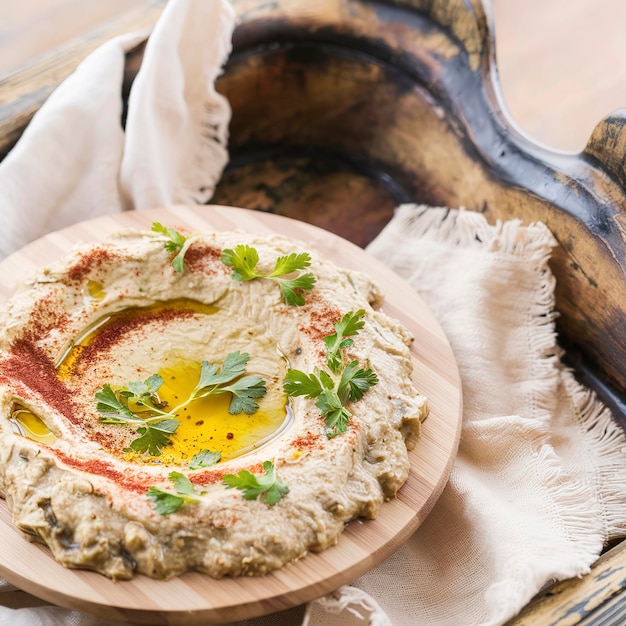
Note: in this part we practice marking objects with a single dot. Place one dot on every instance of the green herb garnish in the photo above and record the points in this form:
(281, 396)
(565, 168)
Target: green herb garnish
(254, 485)
(345, 383)
(176, 243)
(244, 259)
(139, 405)
(204, 458)
(349, 325)
(154, 429)
(214, 380)
(166, 503)
(154, 437)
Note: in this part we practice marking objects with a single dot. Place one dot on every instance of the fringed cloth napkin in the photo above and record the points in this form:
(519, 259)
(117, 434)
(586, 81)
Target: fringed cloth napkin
(535, 491)
(537, 487)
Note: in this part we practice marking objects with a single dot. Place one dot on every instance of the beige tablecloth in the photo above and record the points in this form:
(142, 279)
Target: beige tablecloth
(535, 491)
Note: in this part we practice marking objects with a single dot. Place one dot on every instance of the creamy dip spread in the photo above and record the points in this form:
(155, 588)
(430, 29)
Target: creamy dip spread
(121, 446)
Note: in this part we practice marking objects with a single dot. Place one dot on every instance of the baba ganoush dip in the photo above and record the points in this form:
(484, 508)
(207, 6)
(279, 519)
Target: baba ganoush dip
(220, 402)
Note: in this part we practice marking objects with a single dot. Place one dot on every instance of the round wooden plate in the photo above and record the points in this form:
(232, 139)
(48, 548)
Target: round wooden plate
(197, 599)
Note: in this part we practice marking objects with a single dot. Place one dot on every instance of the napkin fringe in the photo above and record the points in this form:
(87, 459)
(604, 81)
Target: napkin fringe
(351, 600)
(546, 367)
(533, 245)
(607, 446)
(577, 509)
(592, 511)
(469, 229)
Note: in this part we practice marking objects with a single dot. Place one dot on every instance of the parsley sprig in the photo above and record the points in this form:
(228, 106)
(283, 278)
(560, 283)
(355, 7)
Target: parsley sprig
(345, 382)
(139, 404)
(205, 458)
(346, 328)
(166, 502)
(253, 485)
(244, 260)
(155, 427)
(176, 244)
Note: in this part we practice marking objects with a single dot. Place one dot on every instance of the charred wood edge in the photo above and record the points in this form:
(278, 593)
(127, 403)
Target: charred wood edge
(504, 154)
(586, 374)
(607, 145)
(501, 149)
(593, 600)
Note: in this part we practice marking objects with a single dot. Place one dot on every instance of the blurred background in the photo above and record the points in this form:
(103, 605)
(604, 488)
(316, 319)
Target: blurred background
(562, 63)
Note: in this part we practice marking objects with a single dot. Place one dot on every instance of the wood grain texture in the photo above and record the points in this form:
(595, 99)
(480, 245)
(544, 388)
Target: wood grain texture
(197, 599)
(342, 109)
(595, 600)
(32, 28)
(394, 96)
(23, 92)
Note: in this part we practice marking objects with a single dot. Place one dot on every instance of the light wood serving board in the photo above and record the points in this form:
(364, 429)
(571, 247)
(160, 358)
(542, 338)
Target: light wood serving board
(195, 598)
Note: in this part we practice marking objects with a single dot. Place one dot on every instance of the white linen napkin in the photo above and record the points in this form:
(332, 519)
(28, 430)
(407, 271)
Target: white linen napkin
(74, 161)
(535, 491)
(537, 486)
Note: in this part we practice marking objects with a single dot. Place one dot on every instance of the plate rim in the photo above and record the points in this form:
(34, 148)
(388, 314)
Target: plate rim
(100, 227)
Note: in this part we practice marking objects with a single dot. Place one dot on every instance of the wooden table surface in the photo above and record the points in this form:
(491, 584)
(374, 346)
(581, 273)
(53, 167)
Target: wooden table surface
(562, 67)
(562, 63)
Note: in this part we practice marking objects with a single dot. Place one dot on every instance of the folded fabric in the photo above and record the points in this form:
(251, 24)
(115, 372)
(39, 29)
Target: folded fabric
(75, 161)
(535, 491)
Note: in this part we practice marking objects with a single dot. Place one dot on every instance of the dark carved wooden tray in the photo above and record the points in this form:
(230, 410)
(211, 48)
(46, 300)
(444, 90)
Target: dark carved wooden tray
(346, 108)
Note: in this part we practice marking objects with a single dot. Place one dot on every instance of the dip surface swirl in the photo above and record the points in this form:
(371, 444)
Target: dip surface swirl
(117, 311)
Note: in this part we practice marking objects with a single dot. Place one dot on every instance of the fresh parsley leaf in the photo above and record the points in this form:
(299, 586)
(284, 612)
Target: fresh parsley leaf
(336, 415)
(112, 410)
(292, 288)
(143, 394)
(175, 239)
(176, 243)
(165, 502)
(244, 259)
(349, 325)
(155, 430)
(139, 403)
(182, 484)
(297, 383)
(327, 380)
(340, 386)
(355, 381)
(204, 458)
(244, 391)
(291, 263)
(154, 437)
(214, 380)
(211, 375)
(146, 388)
(253, 486)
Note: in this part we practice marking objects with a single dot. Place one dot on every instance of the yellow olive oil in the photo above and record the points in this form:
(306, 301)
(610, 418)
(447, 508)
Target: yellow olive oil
(204, 423)
(207, 424)
(95, 290)
(70, 356)
(30, 425)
